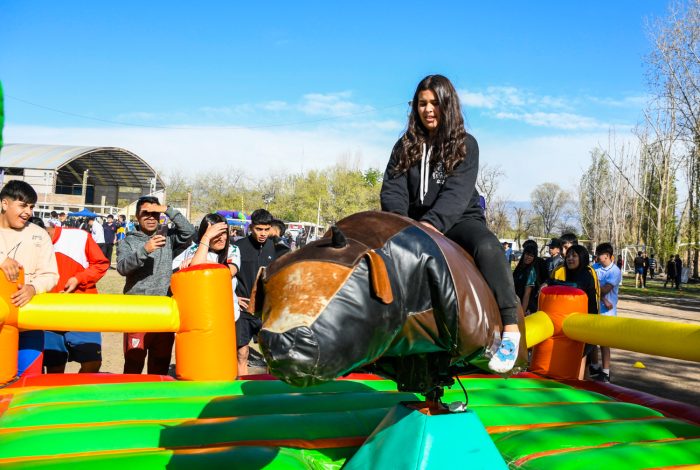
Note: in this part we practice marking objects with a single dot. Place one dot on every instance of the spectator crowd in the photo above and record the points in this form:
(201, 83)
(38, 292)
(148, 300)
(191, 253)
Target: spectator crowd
(65, 255)
(599, 277)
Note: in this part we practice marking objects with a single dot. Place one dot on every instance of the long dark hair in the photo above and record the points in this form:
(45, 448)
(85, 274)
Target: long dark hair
(449, 140)
(211, 219)
(583, 258)
(538, 264)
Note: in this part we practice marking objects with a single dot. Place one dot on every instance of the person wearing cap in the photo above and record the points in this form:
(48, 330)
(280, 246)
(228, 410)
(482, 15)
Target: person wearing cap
(555, 258)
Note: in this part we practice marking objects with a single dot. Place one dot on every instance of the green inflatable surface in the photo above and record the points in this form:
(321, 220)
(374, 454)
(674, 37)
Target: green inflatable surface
(521, 423)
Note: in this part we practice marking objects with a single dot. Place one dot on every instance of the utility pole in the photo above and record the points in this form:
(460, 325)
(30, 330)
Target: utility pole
(84, 188)
(318, 218)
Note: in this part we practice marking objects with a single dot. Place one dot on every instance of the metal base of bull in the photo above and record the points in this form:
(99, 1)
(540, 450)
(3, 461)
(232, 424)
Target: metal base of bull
(421, 373)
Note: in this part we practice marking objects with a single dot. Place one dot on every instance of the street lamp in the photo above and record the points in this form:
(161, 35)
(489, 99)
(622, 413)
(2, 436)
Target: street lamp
(267, 199)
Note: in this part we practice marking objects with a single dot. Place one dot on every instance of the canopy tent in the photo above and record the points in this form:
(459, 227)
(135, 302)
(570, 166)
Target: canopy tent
(237, 218)
(239, 215)
(236, 222)
(82, 213)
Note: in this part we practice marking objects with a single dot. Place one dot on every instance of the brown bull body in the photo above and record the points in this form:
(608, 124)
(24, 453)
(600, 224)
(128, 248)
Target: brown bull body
(381, 290)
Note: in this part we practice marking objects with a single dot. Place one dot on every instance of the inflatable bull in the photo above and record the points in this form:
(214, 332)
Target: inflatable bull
(378, 289)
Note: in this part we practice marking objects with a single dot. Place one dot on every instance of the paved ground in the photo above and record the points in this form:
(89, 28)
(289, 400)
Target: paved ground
(668, 378)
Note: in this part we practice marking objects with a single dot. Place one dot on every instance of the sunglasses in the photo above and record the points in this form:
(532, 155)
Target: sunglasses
(147, 215)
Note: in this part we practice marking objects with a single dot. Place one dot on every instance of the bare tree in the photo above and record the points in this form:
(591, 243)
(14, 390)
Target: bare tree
(523, 223)
(674, 75)
(548, 201)
(497, 217)
(609, 193)
(487, 181)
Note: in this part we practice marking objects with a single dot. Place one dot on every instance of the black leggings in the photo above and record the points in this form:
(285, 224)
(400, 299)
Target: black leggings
(478, 241)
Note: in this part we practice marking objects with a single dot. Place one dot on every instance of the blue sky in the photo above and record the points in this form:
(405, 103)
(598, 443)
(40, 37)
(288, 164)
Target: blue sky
(292, 86)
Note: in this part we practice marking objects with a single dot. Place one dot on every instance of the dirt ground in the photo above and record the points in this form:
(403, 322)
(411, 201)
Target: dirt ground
(668, 378)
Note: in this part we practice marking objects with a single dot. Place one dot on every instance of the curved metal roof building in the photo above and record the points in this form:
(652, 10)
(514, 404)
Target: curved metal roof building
(108, 165)
(113, 173)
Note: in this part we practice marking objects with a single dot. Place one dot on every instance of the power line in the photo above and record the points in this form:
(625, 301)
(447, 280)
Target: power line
(262, 126)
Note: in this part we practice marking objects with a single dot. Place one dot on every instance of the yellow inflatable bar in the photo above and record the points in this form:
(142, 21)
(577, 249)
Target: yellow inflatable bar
(200, 312)
(667, 339)
(538, 327)
(100, 313)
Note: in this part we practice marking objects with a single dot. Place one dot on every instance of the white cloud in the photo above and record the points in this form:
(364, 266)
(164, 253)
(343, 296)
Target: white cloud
(143, 116)
(508, 98)
(326, 105)
(274, 106)
(258, 153)
(529, 162)
(255, 152)
(331, 104)
(635, 102)
(554, 112)
(385, 125)
(225, 112)
(477, 100)
(367, 138)
(566, 121)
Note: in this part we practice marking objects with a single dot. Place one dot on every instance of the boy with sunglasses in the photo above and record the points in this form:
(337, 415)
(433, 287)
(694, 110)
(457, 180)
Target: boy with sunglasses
(145, 257)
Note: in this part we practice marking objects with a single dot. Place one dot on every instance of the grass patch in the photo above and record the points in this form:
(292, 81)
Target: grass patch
(655, 288)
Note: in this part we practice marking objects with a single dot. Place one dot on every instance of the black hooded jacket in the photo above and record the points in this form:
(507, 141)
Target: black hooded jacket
(253, 256)
(450, 198)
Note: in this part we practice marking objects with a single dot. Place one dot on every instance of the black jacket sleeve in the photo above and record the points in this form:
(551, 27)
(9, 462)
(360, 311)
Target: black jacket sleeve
(394, 194)
(591, 292)
(455, 195)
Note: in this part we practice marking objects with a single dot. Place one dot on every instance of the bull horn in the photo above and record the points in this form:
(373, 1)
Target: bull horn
(338, 239)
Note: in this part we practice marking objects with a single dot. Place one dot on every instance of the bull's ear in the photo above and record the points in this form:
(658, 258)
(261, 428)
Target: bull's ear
(257, 297)
(379, 277)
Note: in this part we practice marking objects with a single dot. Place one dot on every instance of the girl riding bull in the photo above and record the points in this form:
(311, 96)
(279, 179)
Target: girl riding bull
(431, 178)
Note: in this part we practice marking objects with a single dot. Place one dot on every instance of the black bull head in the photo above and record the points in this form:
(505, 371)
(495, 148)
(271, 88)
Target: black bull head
(380, 289)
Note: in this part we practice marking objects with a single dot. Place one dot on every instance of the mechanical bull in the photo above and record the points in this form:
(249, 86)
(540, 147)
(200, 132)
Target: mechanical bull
(378, 290)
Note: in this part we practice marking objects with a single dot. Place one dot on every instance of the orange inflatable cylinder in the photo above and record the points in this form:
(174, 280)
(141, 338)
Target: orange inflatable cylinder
(9, 334)
(205, 346)
(9, 342)
(559, 357)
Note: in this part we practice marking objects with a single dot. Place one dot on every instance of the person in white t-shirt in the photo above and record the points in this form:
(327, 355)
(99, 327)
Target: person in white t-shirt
(609, 278)
(98, 233)
(213, 246)
(53, 220)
